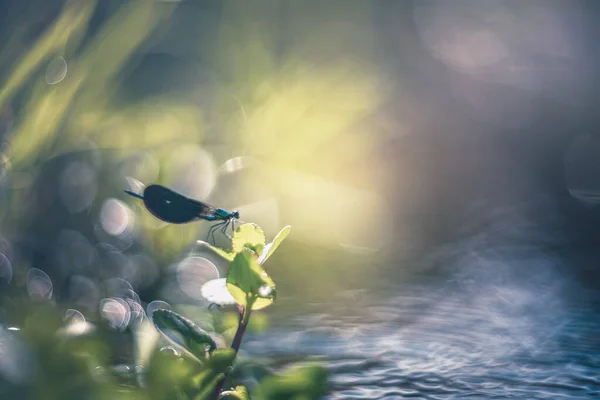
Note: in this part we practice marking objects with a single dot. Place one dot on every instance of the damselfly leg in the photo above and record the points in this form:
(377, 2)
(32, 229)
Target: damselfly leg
(224, 229)
(212, 230)
(213, 233)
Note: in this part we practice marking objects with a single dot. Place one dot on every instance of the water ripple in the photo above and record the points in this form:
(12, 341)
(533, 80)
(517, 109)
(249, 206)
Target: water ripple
(419, 345)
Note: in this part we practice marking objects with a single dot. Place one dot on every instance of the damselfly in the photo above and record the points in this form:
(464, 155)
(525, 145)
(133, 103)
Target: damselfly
(170, 206)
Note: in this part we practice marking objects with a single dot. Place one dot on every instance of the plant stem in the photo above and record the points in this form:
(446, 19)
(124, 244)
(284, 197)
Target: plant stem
(237, 339)
(239, 334)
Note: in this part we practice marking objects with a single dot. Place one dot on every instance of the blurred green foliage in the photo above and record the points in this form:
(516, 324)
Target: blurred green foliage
(67, 363)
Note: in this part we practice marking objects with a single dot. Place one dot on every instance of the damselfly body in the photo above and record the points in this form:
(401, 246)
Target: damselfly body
(170, 206)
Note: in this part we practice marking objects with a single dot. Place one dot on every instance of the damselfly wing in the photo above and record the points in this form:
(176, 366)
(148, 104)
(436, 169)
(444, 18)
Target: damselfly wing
(170, 206)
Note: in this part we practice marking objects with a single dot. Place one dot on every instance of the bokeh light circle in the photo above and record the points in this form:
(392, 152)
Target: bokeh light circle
(116, 312)
(193, 272)
(156, 305)
(78, 186)
(56, 71)
(39, 284)
(192, 172)
(6, 270)
(115, 217)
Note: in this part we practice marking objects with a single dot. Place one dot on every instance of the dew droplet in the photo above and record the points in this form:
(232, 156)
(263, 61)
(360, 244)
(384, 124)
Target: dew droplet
(265, 291)
(170, 350)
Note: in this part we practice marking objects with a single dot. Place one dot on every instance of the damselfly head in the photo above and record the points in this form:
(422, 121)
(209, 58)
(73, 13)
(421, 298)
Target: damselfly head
(235, 214)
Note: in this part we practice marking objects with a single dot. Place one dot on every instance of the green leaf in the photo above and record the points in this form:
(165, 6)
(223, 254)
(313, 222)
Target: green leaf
(208, 385)
(240, 393)
(219, 363)
(195, 339)
(221, 360)
(248, 235)
(261, 302)
(227, 255)
(167, 375)
(248, 282)
(271, 247)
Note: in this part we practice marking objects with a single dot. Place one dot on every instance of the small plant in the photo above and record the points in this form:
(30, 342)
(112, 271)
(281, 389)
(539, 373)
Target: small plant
(251, 288)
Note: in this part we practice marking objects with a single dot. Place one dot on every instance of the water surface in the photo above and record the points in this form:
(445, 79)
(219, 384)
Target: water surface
(454, 338)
